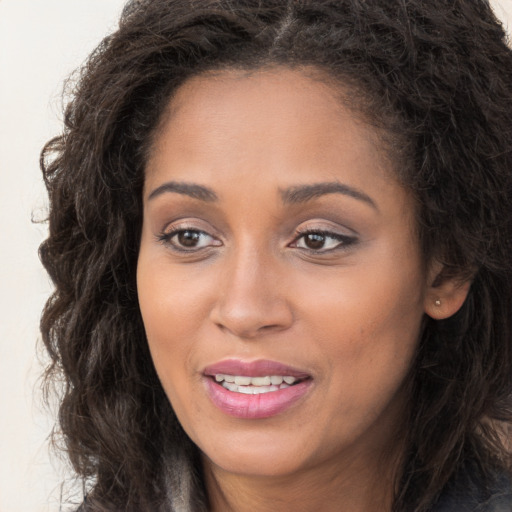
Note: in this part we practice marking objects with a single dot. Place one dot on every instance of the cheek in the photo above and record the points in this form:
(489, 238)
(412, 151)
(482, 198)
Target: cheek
(368, 347)
(361, 303)
(170, 340)
(368, 322)
(173, 299)
(167, 313)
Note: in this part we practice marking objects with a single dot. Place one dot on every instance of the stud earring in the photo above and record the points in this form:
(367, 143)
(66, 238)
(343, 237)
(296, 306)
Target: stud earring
(437, 302)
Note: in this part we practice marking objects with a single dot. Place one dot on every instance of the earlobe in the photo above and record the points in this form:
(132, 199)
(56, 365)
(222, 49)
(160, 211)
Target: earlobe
(443, 299)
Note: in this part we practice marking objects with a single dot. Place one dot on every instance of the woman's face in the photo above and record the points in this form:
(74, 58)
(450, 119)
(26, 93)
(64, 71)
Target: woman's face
(279, 276)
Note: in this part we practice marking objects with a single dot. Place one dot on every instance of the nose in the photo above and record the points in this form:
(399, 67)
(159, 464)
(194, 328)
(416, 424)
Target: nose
(252, 298)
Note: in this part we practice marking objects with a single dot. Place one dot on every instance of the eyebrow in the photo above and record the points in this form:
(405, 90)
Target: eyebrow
(292, 195)
(188, 189)
(305, 193)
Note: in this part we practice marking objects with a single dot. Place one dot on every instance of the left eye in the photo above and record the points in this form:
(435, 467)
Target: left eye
(189, 239)
(321, 241)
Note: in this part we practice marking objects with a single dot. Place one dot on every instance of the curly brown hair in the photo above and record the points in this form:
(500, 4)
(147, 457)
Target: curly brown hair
(435, 76)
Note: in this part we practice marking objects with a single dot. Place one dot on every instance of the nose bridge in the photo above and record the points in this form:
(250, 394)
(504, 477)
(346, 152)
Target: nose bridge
(252, 297)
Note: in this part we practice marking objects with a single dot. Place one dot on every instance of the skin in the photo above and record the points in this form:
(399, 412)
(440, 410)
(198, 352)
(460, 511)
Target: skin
(349, 312)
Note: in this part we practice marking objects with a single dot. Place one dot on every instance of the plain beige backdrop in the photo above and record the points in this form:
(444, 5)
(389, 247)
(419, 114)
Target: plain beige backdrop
(41, 42)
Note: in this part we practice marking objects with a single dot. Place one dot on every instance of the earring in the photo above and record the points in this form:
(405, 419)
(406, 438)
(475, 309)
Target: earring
(437, 302)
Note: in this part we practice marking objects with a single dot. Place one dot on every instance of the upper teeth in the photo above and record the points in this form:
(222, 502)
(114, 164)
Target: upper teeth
(241, 380)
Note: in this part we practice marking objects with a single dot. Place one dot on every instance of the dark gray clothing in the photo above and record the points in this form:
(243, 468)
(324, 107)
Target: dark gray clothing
(466, 493)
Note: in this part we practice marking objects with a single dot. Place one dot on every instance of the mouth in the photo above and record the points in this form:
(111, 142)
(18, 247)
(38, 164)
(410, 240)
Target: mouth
(255, 385)
(253, 390)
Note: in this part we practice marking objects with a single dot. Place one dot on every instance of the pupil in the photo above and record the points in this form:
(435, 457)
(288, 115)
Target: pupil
(188, 238)
(315, 241)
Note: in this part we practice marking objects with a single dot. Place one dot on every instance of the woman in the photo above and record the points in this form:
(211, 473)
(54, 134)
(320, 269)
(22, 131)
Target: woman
(280, 235)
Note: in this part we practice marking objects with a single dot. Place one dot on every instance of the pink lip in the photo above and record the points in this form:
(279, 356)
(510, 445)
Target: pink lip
(258, 368)
(258, 406)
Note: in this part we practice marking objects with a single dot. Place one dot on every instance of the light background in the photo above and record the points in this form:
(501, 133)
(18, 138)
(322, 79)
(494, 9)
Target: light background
(41, 43)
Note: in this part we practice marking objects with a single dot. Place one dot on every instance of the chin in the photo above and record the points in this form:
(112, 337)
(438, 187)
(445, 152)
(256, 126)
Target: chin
(258, 465)
(261, 457)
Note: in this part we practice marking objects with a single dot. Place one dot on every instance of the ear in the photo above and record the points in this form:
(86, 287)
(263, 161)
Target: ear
(445, 295)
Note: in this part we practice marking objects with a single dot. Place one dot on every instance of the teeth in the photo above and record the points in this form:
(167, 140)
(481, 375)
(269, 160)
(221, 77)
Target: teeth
(252, 390)
(231, 386)
(260, 381)
(254, 385)
(242, 381)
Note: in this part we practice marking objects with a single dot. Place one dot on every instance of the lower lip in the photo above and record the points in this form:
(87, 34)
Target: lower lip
(263, 405)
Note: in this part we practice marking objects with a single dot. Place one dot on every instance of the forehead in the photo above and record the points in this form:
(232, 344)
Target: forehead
(297, 111)
(283, 126)
(222, 89)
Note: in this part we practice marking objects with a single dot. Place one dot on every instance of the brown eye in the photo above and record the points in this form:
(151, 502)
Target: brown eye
(314, 241)
(188, 238)
(323, 241)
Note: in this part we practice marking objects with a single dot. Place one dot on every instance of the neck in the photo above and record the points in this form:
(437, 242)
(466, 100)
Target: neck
(354, 486)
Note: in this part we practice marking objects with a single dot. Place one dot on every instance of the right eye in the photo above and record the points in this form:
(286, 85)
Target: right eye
(188, 240)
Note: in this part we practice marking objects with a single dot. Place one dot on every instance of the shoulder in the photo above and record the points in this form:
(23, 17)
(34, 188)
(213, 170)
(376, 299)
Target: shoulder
(470, 492)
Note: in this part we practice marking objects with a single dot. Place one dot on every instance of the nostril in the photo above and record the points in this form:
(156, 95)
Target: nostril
(252, 322)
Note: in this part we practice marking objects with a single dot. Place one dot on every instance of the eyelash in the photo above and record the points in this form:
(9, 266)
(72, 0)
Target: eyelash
(344, 241)
(167, 239)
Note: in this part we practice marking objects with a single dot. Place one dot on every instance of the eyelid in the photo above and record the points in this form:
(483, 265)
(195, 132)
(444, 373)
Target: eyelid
(191, 224)
(345, 240)
(326, 226)
(173, 229)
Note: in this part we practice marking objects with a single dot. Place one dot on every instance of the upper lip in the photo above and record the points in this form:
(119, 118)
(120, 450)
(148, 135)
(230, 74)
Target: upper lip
(259, 368)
